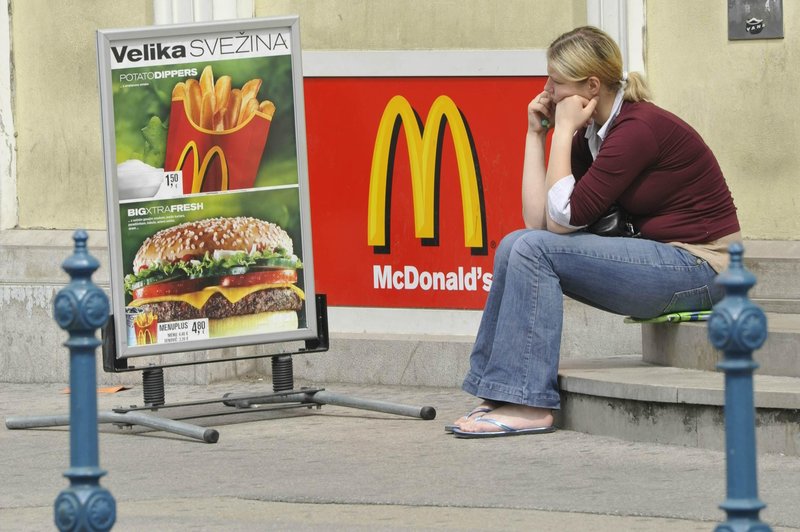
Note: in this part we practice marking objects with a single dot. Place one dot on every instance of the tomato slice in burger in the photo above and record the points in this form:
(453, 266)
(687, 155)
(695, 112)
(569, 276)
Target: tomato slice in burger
(259, 277)
(169, 288)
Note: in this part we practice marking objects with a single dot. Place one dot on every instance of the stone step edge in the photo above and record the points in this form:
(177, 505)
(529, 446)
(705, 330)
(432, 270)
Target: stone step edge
(777, 322)
(778, 306)
(629, 378)
(686, 345)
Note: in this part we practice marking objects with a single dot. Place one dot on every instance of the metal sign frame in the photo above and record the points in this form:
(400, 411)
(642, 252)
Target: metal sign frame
(145, 62)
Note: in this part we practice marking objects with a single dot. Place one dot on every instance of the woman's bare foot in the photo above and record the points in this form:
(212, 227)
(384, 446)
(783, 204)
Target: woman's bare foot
(514, 416)
(485, 407)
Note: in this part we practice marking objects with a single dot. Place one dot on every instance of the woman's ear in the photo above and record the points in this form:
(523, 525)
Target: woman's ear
(594, 85)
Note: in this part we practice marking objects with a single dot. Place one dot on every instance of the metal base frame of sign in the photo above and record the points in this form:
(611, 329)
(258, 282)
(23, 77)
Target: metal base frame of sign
(284, 395)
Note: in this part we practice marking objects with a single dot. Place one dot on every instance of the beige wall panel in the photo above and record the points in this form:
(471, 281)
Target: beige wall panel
(56, 108)
(424, 24)
(739, 95)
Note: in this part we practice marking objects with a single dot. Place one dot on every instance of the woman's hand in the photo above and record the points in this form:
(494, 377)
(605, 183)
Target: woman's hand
(575, 112)
(541, 113)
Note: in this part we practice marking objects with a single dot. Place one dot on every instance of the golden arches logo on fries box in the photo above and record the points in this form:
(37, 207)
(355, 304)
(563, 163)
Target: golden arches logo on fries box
(145, 326)
(217, 132)
(424, 154)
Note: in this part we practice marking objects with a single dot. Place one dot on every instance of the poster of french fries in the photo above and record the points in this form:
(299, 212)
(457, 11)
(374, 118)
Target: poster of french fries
(204, 122)
(216, 126)
(217, 132)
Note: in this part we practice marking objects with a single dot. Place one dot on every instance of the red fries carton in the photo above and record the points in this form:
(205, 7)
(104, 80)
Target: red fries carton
(217, 134)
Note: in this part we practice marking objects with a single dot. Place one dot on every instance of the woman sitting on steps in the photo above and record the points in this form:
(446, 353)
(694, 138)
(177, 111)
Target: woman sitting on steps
(610, 146)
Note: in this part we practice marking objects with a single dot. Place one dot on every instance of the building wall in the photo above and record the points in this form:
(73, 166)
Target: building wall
(733, 92)
(738, 95)
(425, 24)
(60, 180)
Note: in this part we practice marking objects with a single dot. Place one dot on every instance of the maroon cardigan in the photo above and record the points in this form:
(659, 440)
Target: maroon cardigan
(660, 171)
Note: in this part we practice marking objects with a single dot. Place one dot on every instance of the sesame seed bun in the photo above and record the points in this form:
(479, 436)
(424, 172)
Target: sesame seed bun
(213, 234)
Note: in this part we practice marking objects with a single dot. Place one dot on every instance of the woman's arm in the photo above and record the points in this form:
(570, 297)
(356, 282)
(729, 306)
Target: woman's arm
(559, 168)
(534, 192)
(573, 113)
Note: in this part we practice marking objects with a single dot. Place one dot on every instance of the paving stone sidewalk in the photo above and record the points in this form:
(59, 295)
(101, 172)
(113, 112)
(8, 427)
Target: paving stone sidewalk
(339, 468)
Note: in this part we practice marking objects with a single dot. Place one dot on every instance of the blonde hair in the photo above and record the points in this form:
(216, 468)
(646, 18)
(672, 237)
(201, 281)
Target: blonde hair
(588, 51)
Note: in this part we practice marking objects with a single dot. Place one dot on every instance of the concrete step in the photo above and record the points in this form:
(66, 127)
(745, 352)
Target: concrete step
(686, 345)
(776, 265)
(627, 398)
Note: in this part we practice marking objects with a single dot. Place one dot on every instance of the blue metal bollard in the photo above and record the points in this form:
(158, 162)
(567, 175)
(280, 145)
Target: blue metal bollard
(738, 327)
(81, 308)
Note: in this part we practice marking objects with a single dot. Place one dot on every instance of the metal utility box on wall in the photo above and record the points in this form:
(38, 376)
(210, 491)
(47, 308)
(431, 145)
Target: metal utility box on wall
(755, 19)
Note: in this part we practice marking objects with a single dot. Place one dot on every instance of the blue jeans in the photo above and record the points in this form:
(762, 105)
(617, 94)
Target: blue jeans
(516, 352)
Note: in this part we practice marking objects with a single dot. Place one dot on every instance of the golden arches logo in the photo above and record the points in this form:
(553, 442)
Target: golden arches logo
(200, 170)
(424, 155)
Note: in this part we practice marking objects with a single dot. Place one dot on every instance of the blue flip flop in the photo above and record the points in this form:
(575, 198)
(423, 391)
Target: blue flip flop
(478, 410)
(505, 430)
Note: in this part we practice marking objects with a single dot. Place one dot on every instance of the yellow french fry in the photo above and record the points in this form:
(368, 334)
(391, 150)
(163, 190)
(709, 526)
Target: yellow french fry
(268, 108)
(207, 111)
(217, 120)
(222, 91)
(251, 88)
(231, 111)
(194, 100)
(249, 92)
(207, 81)
(179, 91)
(250, 108)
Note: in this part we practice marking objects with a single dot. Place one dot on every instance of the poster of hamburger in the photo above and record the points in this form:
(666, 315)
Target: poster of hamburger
(206, 185)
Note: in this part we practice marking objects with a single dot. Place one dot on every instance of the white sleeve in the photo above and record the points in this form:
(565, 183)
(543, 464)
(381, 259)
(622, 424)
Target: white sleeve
(558, 207)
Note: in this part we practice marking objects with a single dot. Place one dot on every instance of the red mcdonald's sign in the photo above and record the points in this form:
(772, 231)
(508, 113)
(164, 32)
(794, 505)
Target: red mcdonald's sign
(413, 183)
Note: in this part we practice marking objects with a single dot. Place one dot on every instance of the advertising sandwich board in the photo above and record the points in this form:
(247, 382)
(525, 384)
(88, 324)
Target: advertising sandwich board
(206, 185)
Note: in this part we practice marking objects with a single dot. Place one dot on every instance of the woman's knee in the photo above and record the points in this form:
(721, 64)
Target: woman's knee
(507, 244)
(529, 243)
(536, 242)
